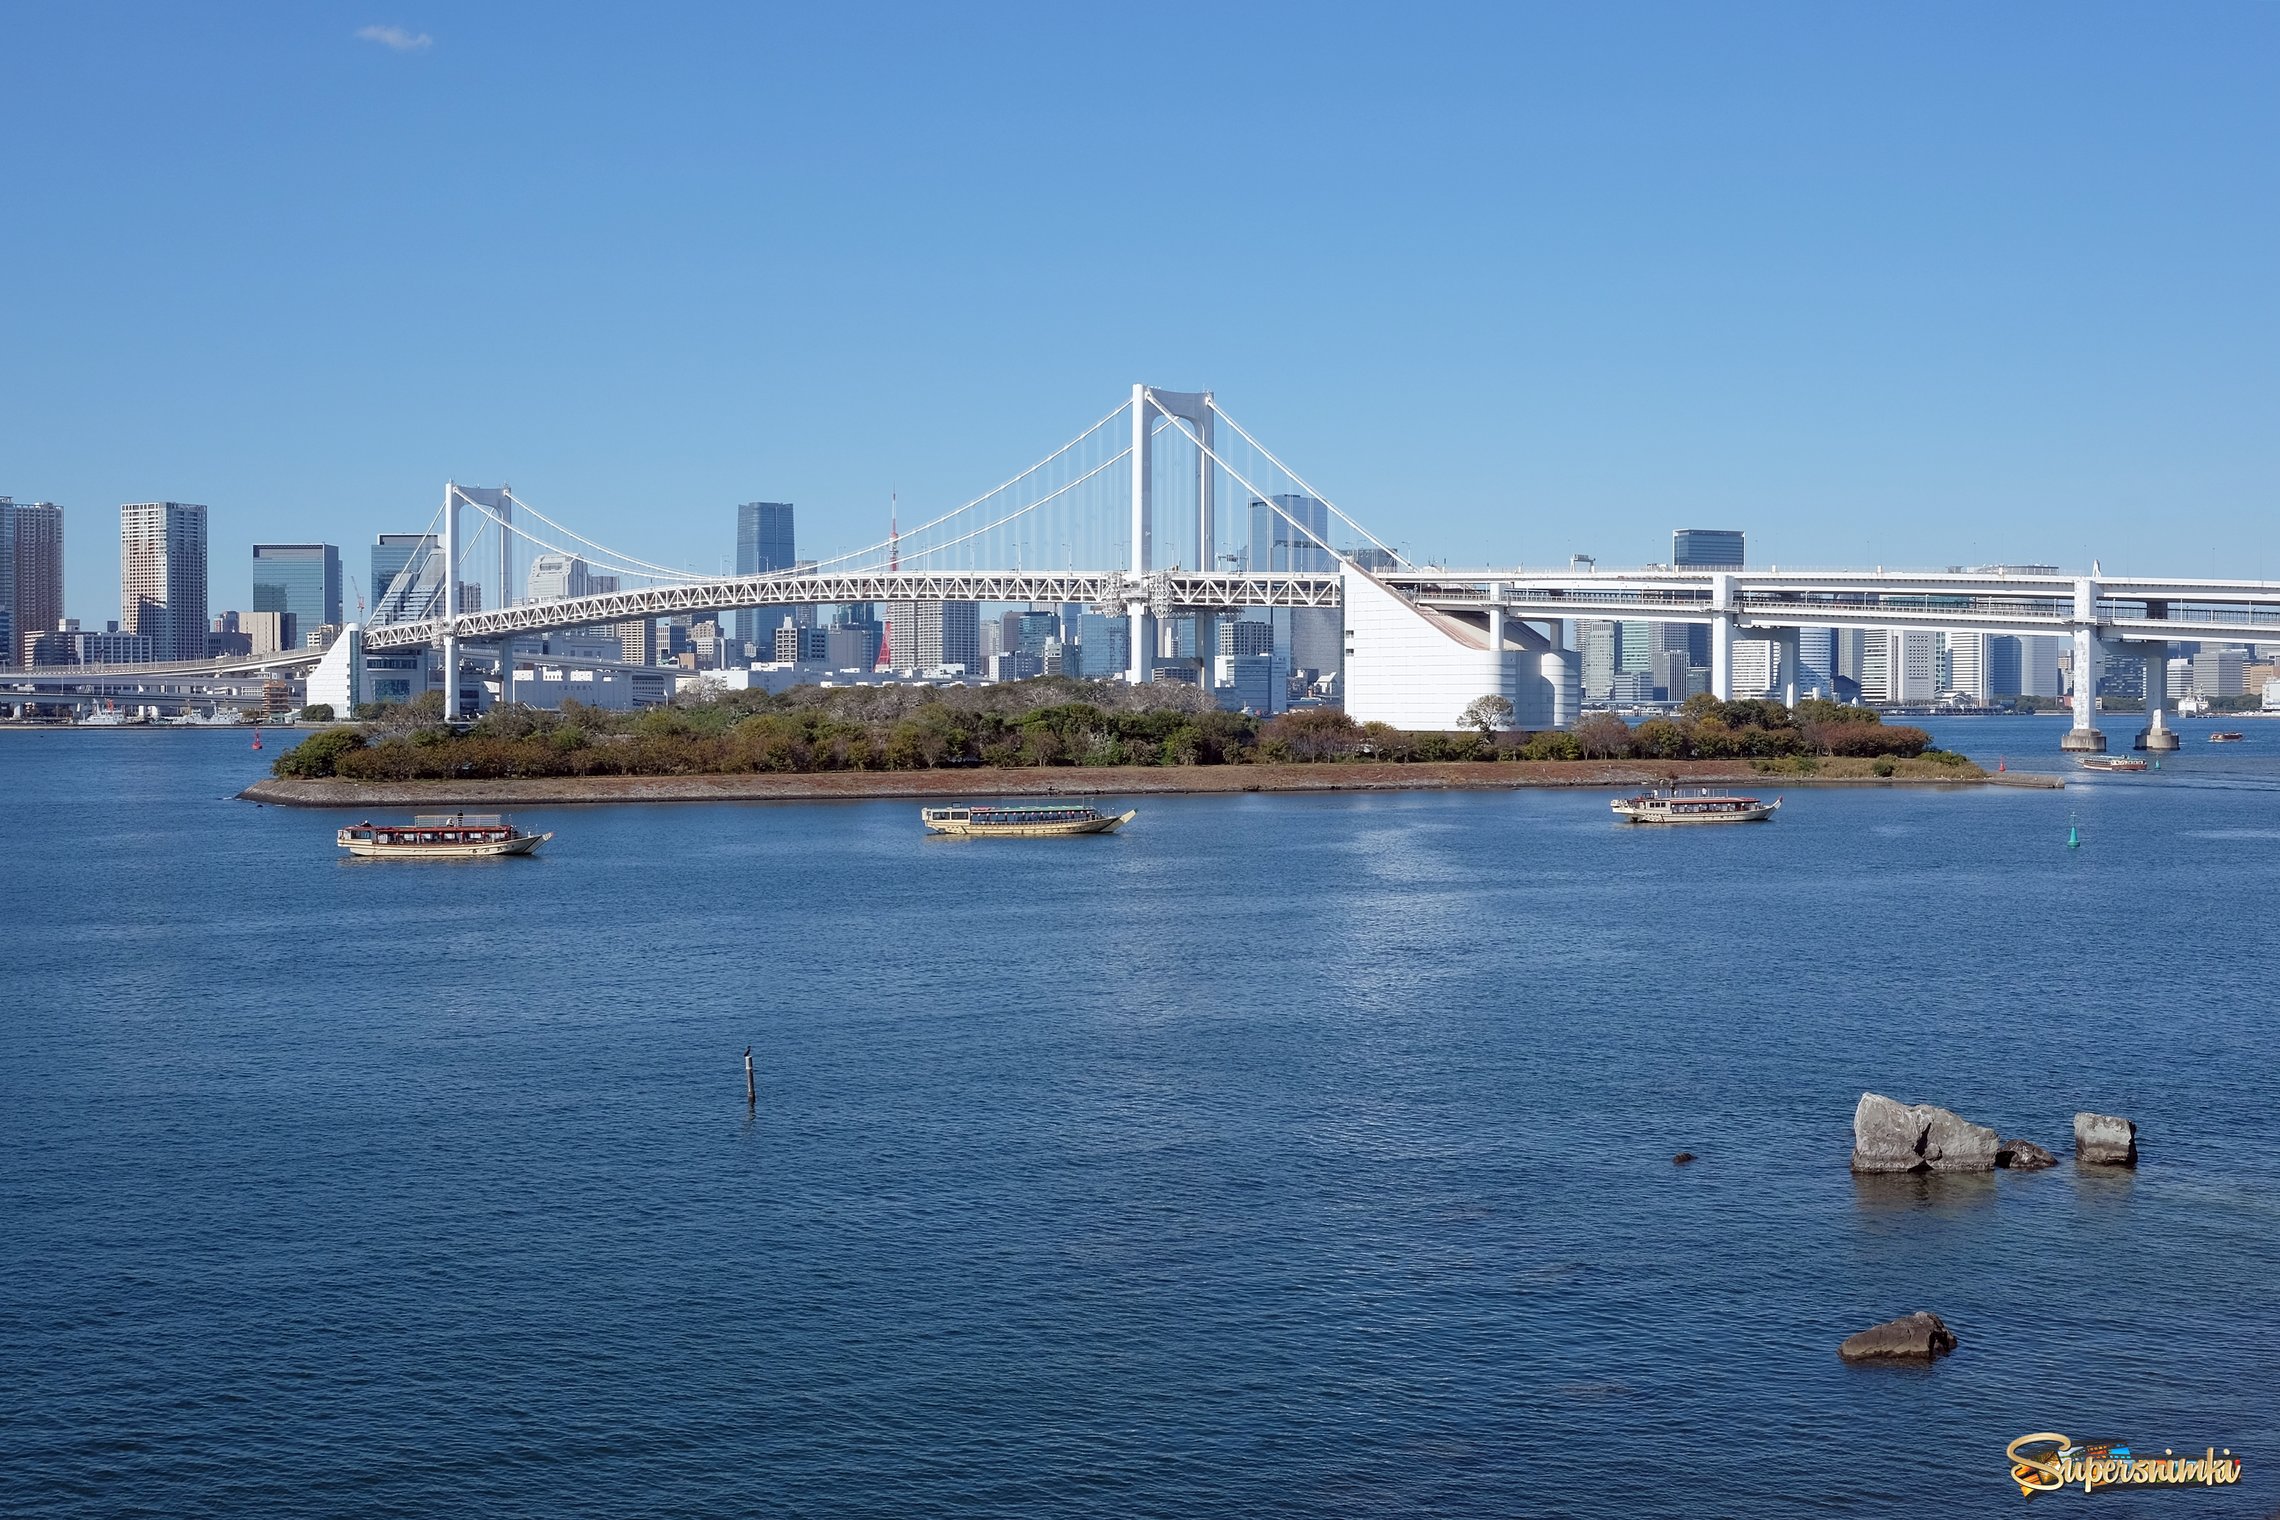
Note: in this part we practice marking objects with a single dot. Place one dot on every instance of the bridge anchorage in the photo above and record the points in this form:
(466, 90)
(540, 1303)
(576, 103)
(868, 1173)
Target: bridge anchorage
(1129, 512)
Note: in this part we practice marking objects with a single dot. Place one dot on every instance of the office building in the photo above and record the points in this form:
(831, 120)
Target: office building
(1672, 668)
(851, 646)
(1816, 663)
(554, 577)
(68, 644)
(1900, 665)
(162, 576)
(2039, 674)
(1598, 649)
(764, 542)
(1971, 667)
(924, 635)
(10, 628)
(2220, 673)
(36, 546)
(268, 632)
(1104, 646)
(1707, 549)
(1757, 669)
(1257, 682)
(300, 580)
(637, 640)
(407, 577)
(1704, 549)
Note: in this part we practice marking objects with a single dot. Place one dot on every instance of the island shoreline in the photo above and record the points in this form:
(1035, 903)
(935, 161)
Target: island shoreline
(1118, 781)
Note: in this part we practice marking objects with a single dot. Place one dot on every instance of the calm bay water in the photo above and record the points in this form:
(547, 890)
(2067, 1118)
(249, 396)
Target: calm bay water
(1282, 1156)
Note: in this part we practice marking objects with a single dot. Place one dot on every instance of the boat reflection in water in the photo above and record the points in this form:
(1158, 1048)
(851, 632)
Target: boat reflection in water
(1674, 806)
(1034, 822)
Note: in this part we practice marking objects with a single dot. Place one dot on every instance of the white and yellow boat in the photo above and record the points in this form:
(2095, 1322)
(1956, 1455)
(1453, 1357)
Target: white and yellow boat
(1674, 806)
(1032, 822)
(439, 836)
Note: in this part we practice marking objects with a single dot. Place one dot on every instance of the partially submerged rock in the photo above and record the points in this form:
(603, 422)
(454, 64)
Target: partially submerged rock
(2023, 1156)
(1682, 1158)
(1890, 1136)
(2104, 1140)
(1917, 1337)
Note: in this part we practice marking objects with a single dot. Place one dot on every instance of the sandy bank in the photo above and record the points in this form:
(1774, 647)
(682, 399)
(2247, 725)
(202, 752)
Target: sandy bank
(1119, 781)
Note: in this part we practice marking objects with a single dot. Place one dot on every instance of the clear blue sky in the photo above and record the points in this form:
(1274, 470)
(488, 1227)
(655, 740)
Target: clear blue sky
(1880, 284)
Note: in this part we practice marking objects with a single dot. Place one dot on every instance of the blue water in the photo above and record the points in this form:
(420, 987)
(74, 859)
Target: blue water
(1281, 1156)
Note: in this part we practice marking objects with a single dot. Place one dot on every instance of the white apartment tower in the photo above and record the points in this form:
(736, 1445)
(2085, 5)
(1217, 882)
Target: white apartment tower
(162, 576)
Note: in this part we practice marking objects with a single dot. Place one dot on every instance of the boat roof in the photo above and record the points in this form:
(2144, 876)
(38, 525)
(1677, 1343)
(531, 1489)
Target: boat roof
(450, 820)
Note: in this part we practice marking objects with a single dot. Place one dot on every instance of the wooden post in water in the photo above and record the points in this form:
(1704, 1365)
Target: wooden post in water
(751, 1088)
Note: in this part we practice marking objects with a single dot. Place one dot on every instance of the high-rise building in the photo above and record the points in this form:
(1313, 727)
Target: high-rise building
(1900, 665)
(300, 579)
(37, 602)
(1104, 645)
(554, 577)
(1755, 667)
(2218, 673)
(1704, 549)
(9, 627)
(407, 576)
(764, 542)
(1816, 662)
(1598, 647)
(1971, 666)
(926, 634)
(162, 576)
(2038, 665)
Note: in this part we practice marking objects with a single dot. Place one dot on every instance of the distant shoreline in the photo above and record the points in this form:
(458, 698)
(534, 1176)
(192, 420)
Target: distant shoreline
(1087, 781)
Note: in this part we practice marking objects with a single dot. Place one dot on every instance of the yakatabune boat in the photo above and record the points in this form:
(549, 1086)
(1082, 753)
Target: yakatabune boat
(439, 836)
(1022, 822)
(1696, 807)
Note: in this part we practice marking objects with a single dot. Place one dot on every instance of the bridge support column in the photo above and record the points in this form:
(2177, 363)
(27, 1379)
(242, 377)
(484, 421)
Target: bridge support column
(506, 672)
(1722, 637)
(2084, 738)
(2157, 735)
(450, 601)
(1143, 642)
(1790, 645)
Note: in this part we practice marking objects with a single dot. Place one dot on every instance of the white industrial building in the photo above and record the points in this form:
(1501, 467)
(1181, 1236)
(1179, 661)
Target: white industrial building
(1418, 669)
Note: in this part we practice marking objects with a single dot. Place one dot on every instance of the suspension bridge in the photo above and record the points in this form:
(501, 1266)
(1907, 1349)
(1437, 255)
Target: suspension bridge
(1168, 511)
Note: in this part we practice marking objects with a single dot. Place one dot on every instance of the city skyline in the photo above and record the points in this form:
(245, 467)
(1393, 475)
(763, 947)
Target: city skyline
(1885, 299)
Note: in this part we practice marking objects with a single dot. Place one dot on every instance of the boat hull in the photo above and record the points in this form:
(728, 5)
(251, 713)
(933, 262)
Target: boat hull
(965, 830)
(483, 850)
(1760, 813)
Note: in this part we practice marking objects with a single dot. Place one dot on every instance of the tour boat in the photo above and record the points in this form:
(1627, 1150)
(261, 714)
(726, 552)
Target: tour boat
(2111, 763)
(439, 836)
(1032, 822)
(2229, 736)
(1674, 806)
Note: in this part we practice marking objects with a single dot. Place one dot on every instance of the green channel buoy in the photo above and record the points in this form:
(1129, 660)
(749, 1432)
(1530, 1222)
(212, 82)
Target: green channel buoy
(2073, 834)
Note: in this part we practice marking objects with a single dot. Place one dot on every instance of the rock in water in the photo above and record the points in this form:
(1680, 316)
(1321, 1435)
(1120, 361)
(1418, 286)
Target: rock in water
(1886, 1136)
(1890, 1136)
(1920, 1337)
(1955, 1144)
(2023, 1156)
(2104, 1140)
(1682, 1158)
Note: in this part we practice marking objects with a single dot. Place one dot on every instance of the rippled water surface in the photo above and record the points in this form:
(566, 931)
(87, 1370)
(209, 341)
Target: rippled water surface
(1281, 1156)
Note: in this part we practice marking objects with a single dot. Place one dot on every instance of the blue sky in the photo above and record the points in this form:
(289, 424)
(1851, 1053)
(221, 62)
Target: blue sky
(1880, 284)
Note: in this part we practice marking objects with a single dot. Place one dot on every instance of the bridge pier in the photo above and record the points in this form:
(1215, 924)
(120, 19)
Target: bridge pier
(1722, 636)
(2157, 736)
(1789, 645)
(2084, 737)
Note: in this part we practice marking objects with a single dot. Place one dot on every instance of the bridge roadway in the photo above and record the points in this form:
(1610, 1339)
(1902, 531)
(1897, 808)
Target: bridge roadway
(2115, 608)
